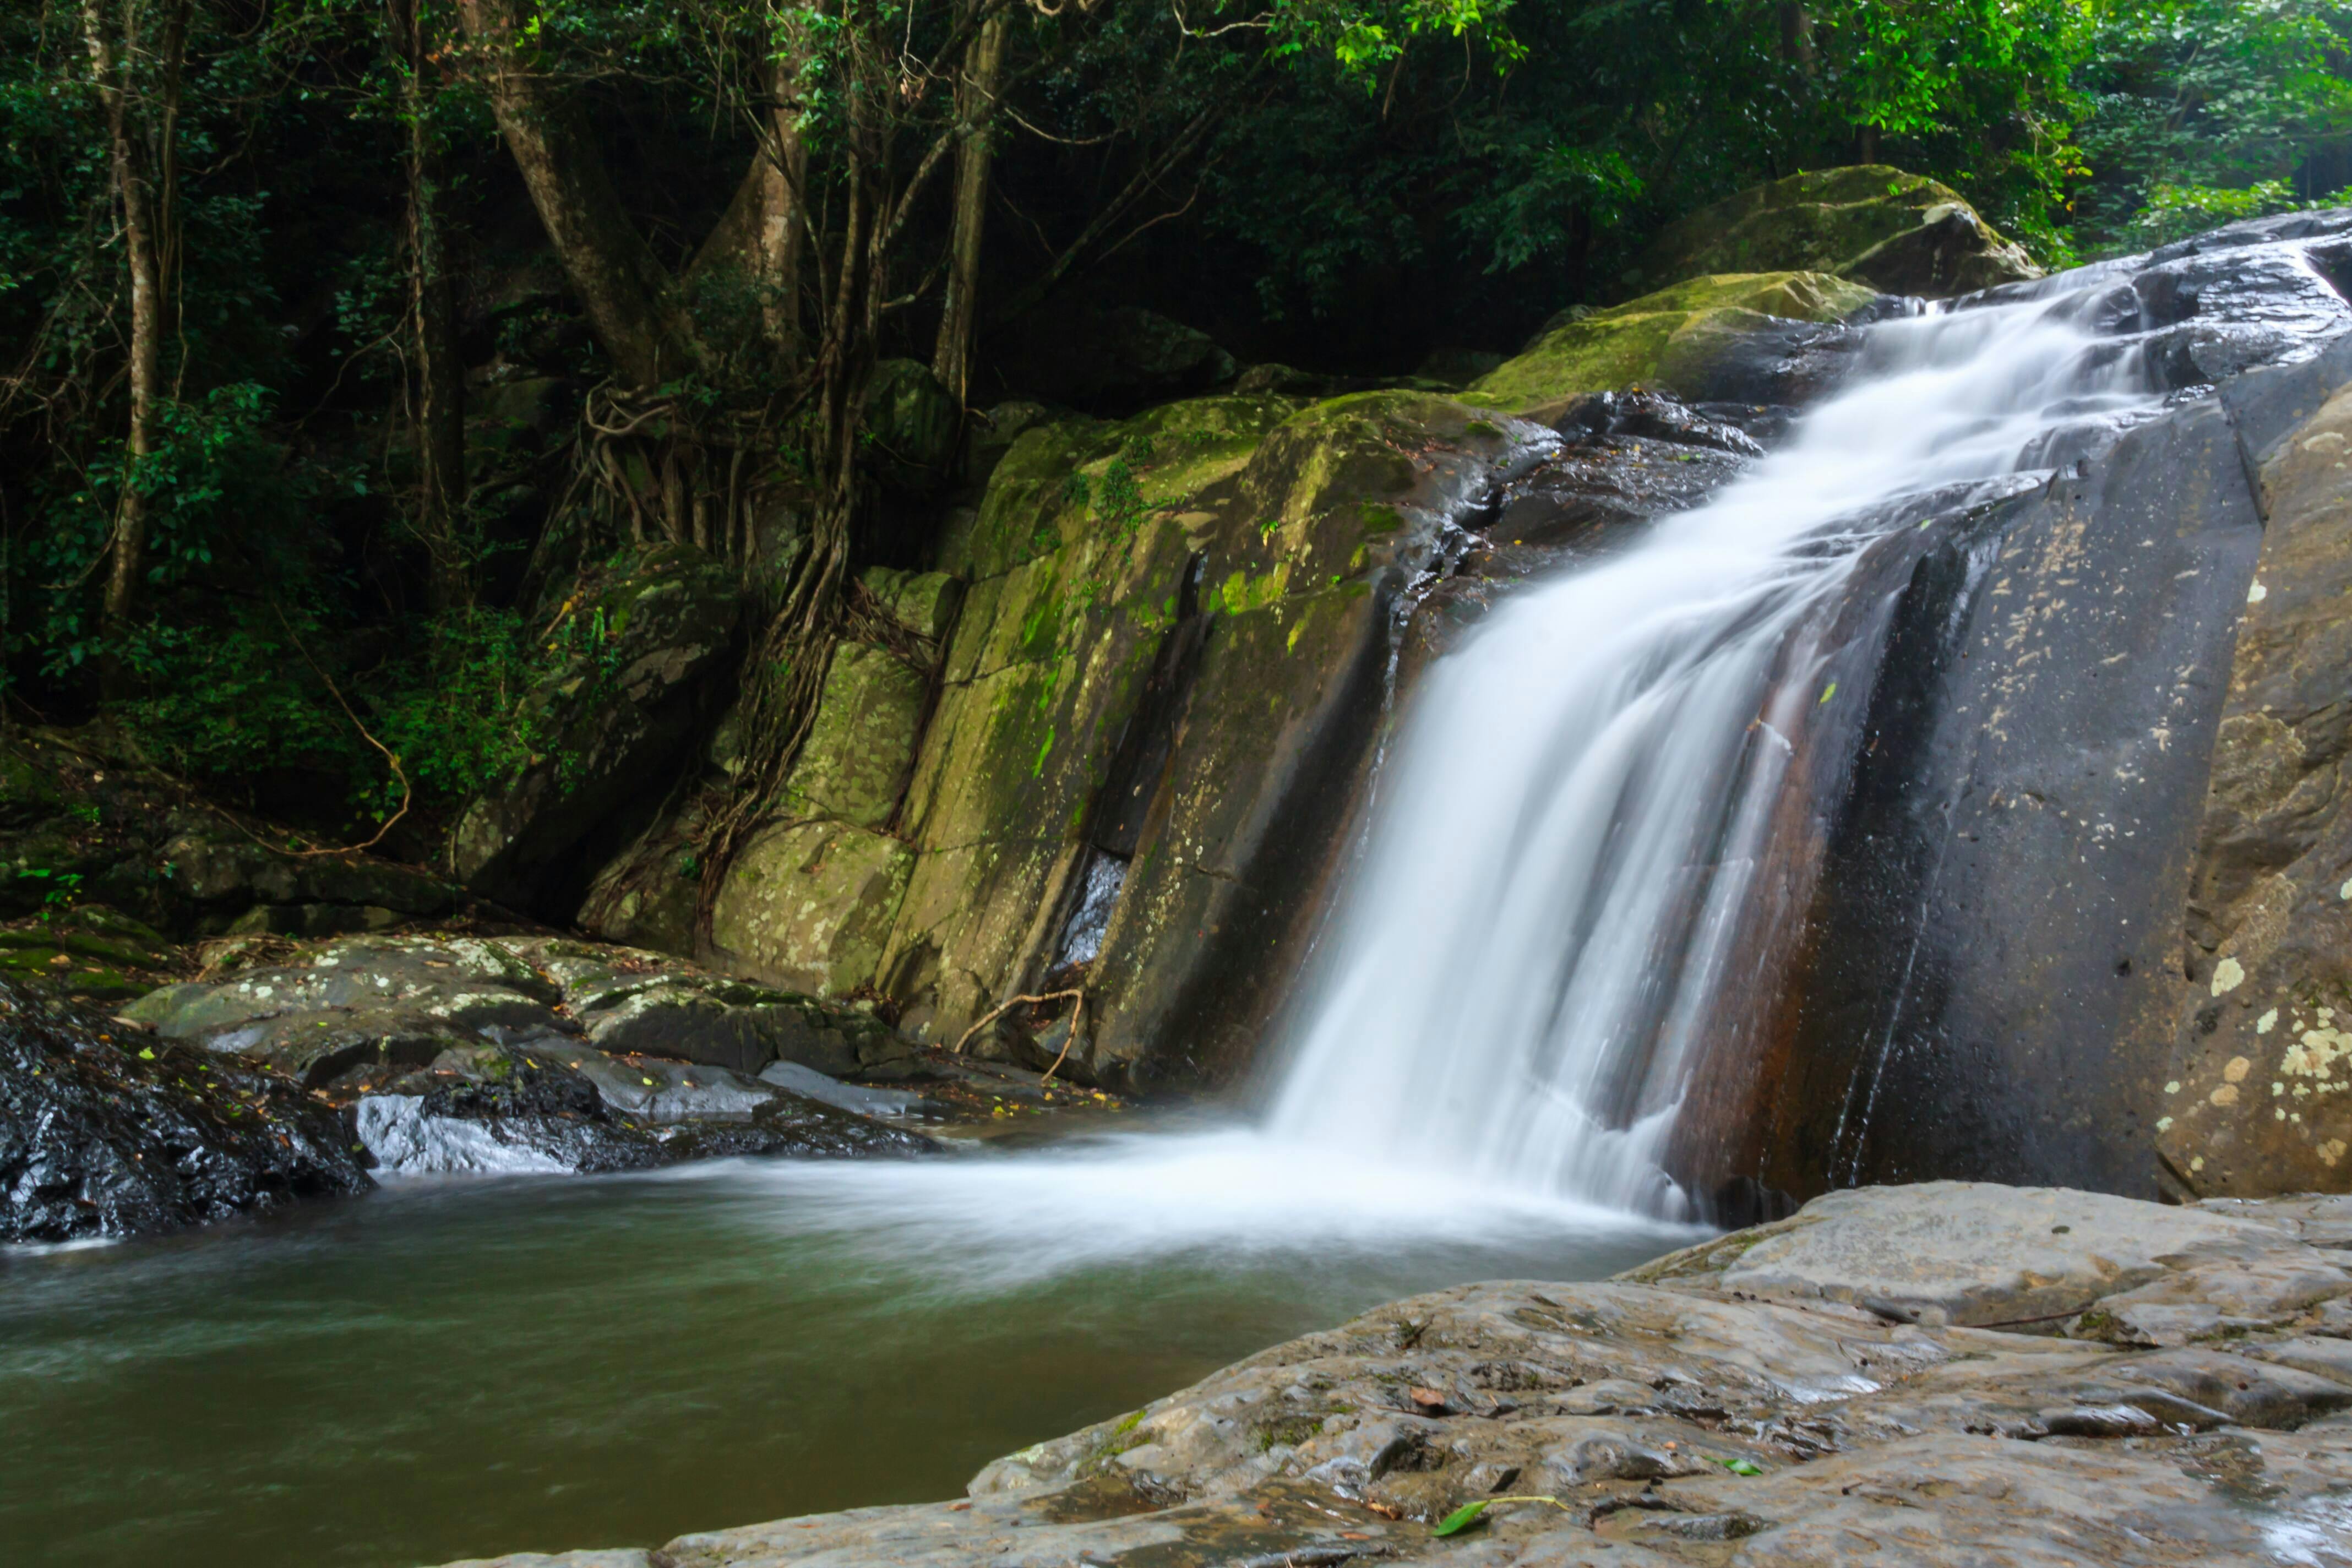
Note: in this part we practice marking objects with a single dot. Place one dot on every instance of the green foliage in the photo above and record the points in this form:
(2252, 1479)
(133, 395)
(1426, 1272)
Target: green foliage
(1119, 500)
(2176, 212)
(453, 710)
(2187, 98)
(1469, 1513)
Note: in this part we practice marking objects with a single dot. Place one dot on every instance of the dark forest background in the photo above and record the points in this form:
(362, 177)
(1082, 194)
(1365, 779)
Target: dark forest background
(340, 341)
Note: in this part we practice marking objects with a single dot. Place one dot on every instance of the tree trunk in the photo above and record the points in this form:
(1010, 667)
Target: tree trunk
(440, 373)
(762, 234)
(1797, 36)
(960, 317)
(631, 299)
(142, 174)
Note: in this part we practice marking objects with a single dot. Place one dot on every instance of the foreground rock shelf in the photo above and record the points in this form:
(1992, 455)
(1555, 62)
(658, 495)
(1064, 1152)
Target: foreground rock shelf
(1953, 1373)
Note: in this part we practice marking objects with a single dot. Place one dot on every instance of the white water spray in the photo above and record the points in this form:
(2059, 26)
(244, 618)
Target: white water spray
(1521, 969)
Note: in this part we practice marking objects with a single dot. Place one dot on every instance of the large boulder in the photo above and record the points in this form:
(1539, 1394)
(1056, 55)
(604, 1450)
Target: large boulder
(2258, 1093)
(810, 905)
(860, 747)
(1171, 665)
(616, 715)
(2081, 856)
(1897, 233)
(107, 1132)
(911, 426)
(1108, 359)
(1772, 338)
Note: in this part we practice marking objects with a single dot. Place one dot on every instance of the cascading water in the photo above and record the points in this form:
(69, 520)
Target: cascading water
(1526, 962)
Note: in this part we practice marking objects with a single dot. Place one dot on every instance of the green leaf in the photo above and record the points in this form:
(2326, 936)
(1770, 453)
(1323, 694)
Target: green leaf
(1462, 1518)
(1738, 1467)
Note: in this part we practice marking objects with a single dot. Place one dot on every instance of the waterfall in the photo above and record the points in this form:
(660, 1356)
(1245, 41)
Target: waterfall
(1524, 963)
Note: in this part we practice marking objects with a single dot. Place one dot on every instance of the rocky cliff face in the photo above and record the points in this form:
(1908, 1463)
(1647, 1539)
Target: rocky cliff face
(1179, 638)
(2092, 792)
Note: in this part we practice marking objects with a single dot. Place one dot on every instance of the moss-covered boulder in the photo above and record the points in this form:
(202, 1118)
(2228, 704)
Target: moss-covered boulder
(1709, 337)
(89, 954)
(809, 905)
(922, 602)
(619, 713)
(861, 745)
(1167, 666)
(1897, 233)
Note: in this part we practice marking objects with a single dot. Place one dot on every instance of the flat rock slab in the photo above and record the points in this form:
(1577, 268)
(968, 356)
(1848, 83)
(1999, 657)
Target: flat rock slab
(1674, 1416)
(1978, 1253)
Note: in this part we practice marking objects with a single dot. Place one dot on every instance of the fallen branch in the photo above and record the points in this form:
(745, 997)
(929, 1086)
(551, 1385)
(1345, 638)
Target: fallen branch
(1077, 1016)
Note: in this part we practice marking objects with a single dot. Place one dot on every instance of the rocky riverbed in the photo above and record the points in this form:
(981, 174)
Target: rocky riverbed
(316, 1067)
(1948, 1374)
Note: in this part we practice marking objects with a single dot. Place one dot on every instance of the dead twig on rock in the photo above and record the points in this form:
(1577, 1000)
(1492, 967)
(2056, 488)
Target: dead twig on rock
(1077, 1016)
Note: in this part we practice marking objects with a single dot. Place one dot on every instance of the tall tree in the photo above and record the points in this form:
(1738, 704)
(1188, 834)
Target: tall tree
(440, 379)
(136, 52)
(976, 89)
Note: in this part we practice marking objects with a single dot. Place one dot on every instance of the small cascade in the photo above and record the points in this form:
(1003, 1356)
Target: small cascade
(1521, 976)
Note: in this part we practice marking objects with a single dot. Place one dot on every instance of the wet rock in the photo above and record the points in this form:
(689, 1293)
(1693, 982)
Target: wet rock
(550, 1107)
(1898, 233)
(2001, 903)
(2256, 1097)
(107, 1132)
(811, 1084)
(538, 1053)
(1782, 1432)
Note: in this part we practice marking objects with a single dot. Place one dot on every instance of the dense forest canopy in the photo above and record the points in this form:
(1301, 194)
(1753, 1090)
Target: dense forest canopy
(340, 337)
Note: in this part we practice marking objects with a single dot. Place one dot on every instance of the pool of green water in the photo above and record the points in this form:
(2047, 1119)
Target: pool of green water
(455, 1369)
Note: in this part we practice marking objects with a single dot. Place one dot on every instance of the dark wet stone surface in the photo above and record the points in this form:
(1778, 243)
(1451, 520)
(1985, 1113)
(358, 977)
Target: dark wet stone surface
(106, 1131)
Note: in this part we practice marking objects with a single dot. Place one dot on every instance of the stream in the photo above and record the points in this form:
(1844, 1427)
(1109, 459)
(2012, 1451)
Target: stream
(456, 1368)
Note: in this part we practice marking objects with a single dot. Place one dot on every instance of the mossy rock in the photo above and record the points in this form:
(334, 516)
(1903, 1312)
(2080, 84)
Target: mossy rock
(1649, 342)
(1898, 233)
(860, 746)
(809, 906)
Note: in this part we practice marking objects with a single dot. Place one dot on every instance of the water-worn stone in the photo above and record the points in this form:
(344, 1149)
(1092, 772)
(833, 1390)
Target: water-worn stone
(1898, 233)
(539, 1054)
(2041, 795)
(1675, 1419)
(1979, 1253)
(107, 1132)
(619, 713)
